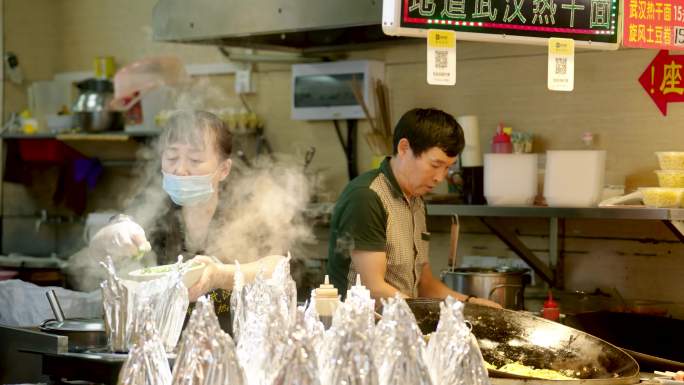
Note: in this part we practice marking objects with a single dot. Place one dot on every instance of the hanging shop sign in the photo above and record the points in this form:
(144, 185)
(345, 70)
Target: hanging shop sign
(662, 80)
(653, 24)
(591, 23)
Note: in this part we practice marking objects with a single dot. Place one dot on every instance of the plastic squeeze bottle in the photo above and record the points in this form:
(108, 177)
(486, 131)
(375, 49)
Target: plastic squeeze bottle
(501, 142)
(362, 295)
(551, 310)
(359, 290)
(327, 300)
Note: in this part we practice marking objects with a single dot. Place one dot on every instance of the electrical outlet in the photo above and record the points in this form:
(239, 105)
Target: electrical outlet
(12, 69)
(243, 82)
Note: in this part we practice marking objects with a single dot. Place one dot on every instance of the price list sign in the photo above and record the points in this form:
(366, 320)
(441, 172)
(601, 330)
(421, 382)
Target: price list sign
(581, 20)
(654, 24)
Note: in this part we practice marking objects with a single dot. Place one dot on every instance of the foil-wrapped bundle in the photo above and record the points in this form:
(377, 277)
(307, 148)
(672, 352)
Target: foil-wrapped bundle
(167, 296)
(360, 298)
(206, 355)
(264, 315)
(147, 363)
(346, 354)
(115, 302)
(452, 354)
(285, 290)
(399, 346)
(237, 309)
(300, 363)
(313, 325)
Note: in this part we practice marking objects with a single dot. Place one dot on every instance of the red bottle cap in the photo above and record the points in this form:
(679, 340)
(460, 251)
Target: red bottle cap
(501, 137)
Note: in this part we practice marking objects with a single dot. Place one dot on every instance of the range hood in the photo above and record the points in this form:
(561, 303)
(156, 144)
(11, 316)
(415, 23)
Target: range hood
(303, 26)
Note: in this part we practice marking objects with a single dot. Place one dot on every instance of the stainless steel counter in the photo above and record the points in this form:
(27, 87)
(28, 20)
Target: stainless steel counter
(19, 366)
(552, 272)
(627, 212)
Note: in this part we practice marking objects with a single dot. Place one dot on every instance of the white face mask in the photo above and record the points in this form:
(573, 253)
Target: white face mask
(188, 190)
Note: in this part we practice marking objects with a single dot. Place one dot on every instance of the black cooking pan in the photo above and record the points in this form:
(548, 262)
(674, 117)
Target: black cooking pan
(506, 336)
(655, 342)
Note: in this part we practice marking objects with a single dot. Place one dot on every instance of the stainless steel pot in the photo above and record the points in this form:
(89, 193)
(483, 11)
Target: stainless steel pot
(504, 286)
(97, 121)
(83, 333)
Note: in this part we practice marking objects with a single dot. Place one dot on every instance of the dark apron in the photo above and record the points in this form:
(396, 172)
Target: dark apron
(170, 242)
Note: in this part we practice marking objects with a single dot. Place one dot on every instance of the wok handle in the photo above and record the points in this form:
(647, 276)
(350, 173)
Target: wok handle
(501, 286)
(453, 244)
(54, 304)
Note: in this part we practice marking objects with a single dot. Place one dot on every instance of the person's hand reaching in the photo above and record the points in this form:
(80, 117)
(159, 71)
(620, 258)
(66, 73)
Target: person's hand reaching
(212, 277)
(123, 238)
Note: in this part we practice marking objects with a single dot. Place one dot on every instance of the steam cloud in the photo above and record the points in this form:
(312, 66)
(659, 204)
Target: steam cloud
(264, 213)
(260, 210)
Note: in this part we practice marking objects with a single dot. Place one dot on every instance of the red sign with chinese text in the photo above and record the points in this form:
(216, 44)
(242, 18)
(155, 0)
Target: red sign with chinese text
(662, 80)
(653, 24)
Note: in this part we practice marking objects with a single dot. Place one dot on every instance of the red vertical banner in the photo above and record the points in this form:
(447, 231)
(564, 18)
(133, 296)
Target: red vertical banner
(653, 24)
(662, 80)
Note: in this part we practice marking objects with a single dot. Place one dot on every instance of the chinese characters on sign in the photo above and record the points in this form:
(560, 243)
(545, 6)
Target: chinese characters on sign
(654, 24)
(586, 20)
(662, 80)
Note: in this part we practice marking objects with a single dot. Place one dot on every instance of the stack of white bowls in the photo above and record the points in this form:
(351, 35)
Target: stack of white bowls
(670, 194)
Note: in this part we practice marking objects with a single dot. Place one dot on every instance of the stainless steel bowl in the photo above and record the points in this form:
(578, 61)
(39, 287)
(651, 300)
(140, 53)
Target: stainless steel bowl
(98, 121)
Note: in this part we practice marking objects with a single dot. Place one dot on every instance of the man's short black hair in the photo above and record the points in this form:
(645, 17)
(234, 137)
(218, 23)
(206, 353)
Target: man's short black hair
(425, 128)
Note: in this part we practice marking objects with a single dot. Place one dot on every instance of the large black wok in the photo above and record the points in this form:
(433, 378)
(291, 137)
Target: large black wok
(655, 342)
(506, 336)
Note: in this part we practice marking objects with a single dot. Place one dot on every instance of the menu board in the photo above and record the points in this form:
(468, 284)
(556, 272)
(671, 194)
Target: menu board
(654, 24)
(580, 20)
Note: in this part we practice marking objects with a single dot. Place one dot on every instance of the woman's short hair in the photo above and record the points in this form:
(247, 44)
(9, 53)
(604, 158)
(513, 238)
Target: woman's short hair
(191, 126)
(425, 128)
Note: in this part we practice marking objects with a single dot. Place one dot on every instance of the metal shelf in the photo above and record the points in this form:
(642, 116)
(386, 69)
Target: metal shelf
(627, 212)
(105, 135)
(552, 271)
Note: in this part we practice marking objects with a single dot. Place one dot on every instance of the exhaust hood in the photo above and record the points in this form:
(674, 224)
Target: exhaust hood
(302, 26)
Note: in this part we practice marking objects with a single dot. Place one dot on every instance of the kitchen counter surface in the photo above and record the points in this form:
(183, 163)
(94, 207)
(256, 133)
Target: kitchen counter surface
(552, 272)
(626, 212)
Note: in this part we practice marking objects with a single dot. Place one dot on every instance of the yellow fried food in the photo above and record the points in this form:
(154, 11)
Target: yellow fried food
(528, 371)
(662, 196)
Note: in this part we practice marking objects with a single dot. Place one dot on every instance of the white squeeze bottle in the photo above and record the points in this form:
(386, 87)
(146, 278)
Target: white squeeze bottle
(327, 300)
(360, 294)
(358, 290)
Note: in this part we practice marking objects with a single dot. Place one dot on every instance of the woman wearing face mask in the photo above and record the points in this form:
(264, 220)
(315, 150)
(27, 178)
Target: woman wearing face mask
(195, 150)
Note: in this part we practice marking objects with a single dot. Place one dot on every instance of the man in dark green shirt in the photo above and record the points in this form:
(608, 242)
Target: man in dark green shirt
(378, 227)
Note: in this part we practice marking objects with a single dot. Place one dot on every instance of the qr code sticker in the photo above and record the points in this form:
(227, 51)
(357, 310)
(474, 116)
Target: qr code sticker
(441, 59)
(561, 65)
